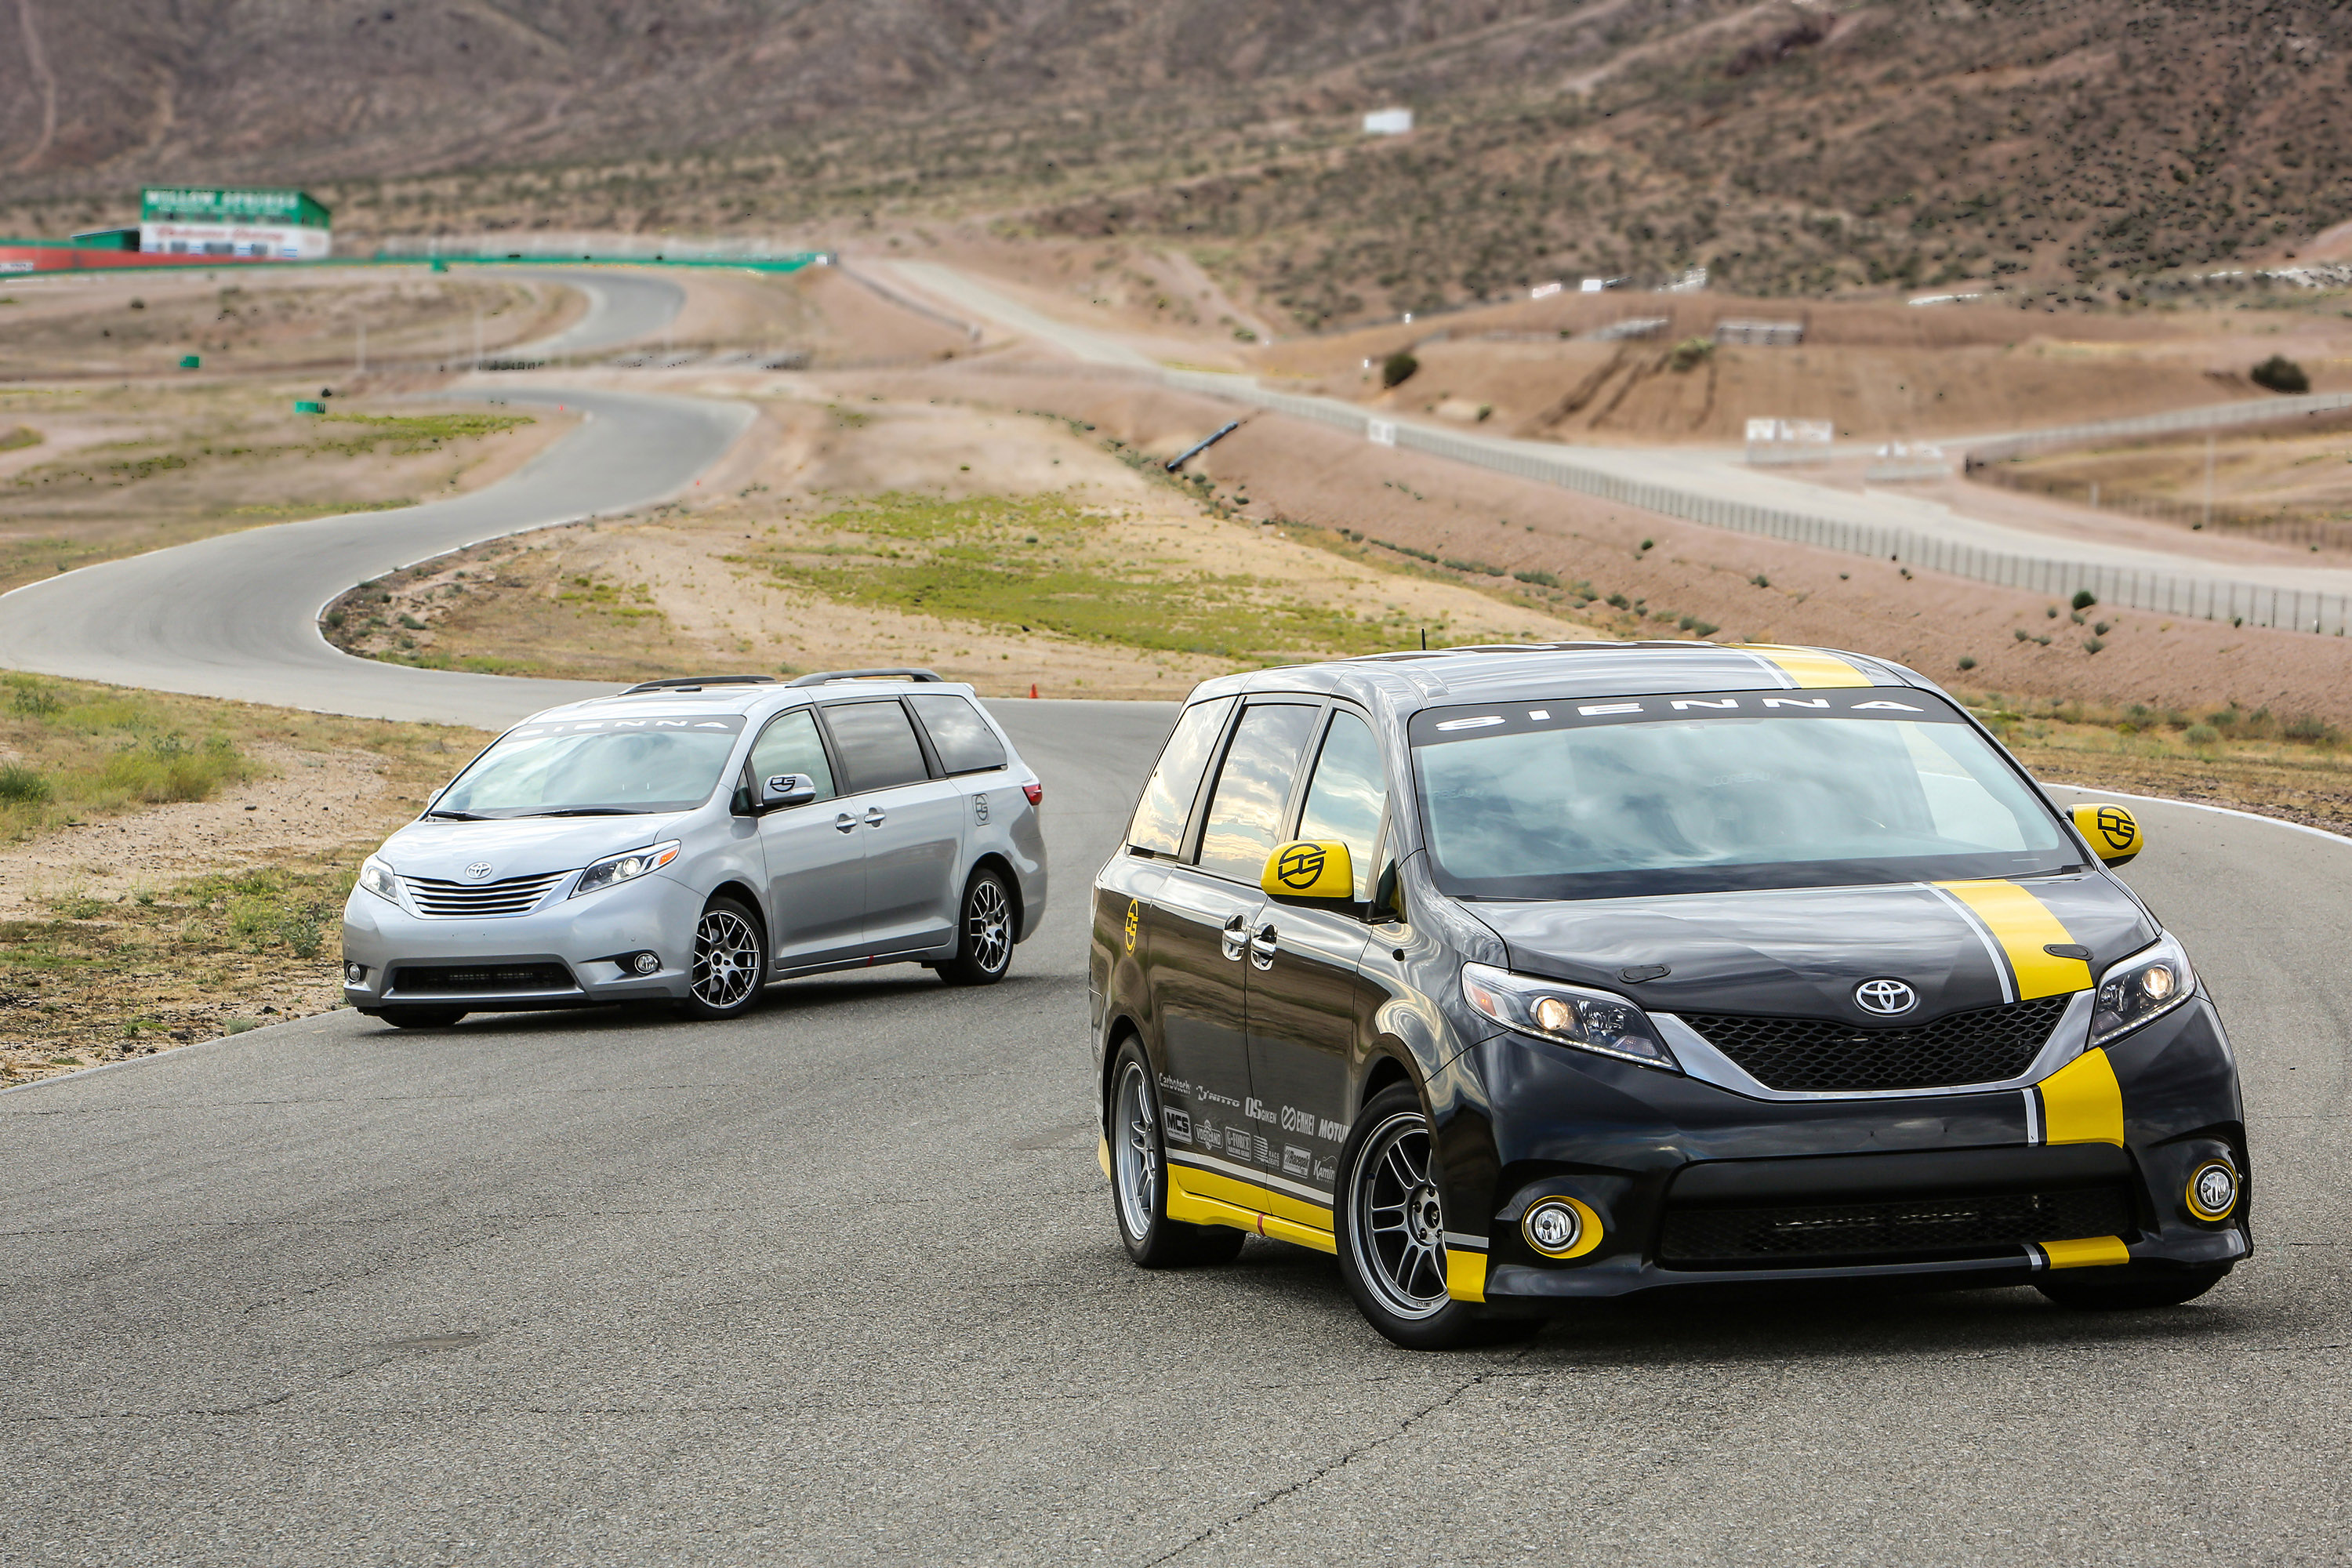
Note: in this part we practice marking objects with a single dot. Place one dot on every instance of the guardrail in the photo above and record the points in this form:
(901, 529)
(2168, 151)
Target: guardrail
(2214, 416)
(2242, 603)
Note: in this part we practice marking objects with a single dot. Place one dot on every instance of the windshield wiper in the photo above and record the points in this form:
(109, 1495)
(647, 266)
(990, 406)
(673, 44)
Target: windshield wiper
(589, 811)
(459, 816)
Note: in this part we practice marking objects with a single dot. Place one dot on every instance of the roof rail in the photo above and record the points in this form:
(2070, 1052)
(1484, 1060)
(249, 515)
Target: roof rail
(696, 682)
(824, 675)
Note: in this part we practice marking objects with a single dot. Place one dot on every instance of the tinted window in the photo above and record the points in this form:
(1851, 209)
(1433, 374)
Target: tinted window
(1344, 800)
(962, 737)
(1245, 812)
(789, 745)
(1159, 824)
(878, 745)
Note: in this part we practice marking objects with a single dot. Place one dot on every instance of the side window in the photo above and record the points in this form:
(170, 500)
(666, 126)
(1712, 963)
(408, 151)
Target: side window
(1160, 816)
(1246, 811)
(878, 745)
(791, 745)
(959, 734)
(1344, 800)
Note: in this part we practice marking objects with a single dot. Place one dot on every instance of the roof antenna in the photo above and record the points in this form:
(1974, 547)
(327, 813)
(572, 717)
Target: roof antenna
(1424, 639)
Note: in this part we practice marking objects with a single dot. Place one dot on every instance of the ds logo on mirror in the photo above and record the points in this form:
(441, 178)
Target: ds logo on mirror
(1300, 865)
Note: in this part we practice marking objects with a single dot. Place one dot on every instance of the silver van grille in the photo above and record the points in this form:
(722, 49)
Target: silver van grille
(512, 896)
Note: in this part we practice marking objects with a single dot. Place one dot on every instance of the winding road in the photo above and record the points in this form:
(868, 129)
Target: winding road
(838, 1282)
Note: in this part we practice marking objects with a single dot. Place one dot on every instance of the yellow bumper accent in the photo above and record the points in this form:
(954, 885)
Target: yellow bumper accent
(1102, 1156)
(2082, 1103)
(2090, 1252)
(1208, 1197)
(1808, 667)
(2024, 926)
(1466, 1275)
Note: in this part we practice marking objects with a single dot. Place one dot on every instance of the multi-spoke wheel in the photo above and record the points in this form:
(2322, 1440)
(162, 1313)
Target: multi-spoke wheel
(1139, 1176)
(1390, 1220)
(730, 961)
(984, 934)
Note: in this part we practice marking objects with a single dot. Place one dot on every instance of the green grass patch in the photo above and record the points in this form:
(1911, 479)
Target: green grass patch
(95, 751)
(1046, 562)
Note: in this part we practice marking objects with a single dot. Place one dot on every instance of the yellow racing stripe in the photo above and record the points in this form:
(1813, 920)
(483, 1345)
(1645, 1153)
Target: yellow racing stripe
(2082, 1103)
(1810, 667)
(1465, 1274)
(2024, 927)
(2088, 1252)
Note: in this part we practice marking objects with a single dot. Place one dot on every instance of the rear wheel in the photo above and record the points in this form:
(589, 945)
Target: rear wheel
(421, 1017)
(2130, 1294)
(983, 934)
(1391, 1221)
(730, 961)
(1139, 1178)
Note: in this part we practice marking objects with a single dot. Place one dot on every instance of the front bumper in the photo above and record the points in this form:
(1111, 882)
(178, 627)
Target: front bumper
(1694, 1185)
(560, 955)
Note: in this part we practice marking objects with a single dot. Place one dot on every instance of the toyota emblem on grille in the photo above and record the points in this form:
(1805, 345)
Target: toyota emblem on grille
(1884, 997)
(482, 869)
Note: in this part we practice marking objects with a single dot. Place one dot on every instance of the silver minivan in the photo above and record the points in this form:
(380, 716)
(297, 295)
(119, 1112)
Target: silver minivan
(690, 840)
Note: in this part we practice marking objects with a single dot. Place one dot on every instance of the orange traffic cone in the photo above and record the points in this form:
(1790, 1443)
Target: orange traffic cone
(1033, 691)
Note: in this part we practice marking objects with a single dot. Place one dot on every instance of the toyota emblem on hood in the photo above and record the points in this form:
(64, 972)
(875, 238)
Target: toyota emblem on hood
(482, 869)
(1884, 997)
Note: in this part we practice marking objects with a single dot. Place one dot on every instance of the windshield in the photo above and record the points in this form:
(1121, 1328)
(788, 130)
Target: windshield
(1708, 792)
(595, 767)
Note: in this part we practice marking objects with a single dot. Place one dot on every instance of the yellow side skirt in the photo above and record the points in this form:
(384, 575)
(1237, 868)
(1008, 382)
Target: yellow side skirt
(1203, 1198)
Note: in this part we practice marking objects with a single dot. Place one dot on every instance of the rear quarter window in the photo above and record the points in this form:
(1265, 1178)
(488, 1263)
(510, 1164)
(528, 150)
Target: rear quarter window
(962, 737)
(1160, 817)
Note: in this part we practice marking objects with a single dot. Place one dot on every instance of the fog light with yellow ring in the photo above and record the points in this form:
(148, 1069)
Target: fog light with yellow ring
(2213, 1190)
(1561, 1228)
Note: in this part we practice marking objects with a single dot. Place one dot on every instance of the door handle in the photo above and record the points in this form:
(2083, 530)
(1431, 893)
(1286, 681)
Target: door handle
(846, 822)
(872, 817)
(1236, 938)
(1262, 946)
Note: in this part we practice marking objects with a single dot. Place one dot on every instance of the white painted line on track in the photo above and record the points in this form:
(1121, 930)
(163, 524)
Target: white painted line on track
(2200, 806)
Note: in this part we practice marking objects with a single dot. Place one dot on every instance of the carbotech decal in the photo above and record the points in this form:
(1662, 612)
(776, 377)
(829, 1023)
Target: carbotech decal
(2080, 1103)
(1808, 668)
(2019, 930)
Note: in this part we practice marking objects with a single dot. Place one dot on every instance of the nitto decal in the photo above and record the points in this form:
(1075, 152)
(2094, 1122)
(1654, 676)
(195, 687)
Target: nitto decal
(1179, 1125)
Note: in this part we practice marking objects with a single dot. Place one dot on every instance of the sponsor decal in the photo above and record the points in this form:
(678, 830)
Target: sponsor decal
(1862, 701)
(1300, 866)
(1178, 1124)
(1213, 1097)
(1327, 1171)
(1205, 1134)
(1297, 1120)
(1330, 1130)
(1264, 1153)
(1255, 1108)
(1237, 1143)
(1296, 1162)
(979, 815)
(2116, 827)
(1134, 922)
(1171, 1085)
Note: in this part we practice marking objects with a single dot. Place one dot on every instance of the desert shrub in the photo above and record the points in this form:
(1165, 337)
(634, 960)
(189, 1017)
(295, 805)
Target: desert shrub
(2084, 598)
(1689, 354)
(1397, 368)
(1541, 579)
(1967, 662)
(2202, 735)
(2280, 373)
(23, 785)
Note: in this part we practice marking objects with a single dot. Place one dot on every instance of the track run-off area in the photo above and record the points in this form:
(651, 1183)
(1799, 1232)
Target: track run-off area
(839, 1281)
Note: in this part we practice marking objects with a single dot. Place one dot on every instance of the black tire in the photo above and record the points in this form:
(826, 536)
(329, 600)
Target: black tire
(421, 1017)
(984, 930)
(730, 961)
(2132, 1293)
(1396, 1272)
(1139, 1176)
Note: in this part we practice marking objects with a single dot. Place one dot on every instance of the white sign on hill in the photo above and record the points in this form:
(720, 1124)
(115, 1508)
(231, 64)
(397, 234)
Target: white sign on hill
(1388, 122)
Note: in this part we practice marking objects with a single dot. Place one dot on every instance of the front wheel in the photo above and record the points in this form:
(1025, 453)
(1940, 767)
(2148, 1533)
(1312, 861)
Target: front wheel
(983, 934)
(1390, 1224)
(1139, 1178)
(730, 961)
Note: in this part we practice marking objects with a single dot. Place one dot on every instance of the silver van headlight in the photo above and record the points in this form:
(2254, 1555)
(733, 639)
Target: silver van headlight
(2143, 987)
(377, 877)
(627, 867)
(1568, 1015)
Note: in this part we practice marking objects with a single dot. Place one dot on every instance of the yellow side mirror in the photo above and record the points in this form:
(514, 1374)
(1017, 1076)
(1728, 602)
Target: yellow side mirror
(2112, 831)
(1309, 869)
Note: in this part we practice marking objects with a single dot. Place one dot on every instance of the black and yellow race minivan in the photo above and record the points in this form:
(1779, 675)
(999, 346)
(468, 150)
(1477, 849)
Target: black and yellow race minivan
(1513, 976)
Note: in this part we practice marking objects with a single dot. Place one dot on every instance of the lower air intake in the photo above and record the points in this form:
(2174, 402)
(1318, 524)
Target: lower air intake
(1911, 1230)
(444, 979)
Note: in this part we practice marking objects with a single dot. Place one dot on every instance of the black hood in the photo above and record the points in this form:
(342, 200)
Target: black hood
(1800, 953)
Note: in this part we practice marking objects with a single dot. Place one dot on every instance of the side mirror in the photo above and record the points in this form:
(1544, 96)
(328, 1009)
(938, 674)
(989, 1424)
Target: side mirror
(2112, 831)
(1309, 869)
(782, 790)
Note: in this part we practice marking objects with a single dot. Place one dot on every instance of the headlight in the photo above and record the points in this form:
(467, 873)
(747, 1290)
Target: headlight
(377, 879)
(1567, 1014)
(617, 868)
(2148, 984)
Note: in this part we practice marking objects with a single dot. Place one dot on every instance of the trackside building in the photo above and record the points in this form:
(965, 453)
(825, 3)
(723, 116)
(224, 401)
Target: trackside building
(277, 226)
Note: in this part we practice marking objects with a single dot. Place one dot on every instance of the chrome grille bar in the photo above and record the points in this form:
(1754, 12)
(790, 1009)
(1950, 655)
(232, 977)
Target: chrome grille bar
(444, 899)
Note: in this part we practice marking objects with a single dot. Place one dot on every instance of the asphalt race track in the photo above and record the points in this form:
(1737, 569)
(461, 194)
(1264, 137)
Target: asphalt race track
(838, 1282)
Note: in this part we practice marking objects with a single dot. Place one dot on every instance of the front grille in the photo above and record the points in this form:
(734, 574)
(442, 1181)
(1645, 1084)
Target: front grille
(1823, 1055)
(512, 896)
(440, 979)
(1912, 1230)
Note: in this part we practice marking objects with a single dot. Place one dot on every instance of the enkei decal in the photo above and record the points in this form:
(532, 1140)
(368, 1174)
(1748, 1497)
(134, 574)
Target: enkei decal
(1179, 1125)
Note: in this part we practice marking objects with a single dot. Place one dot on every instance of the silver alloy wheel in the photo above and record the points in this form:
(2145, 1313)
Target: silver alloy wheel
(726, 959)
(988, 926)
(1135, 1153)
(1396, 1224)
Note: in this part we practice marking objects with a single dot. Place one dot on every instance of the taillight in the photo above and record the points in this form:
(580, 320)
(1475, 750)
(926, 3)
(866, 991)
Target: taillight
(1035, 792)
